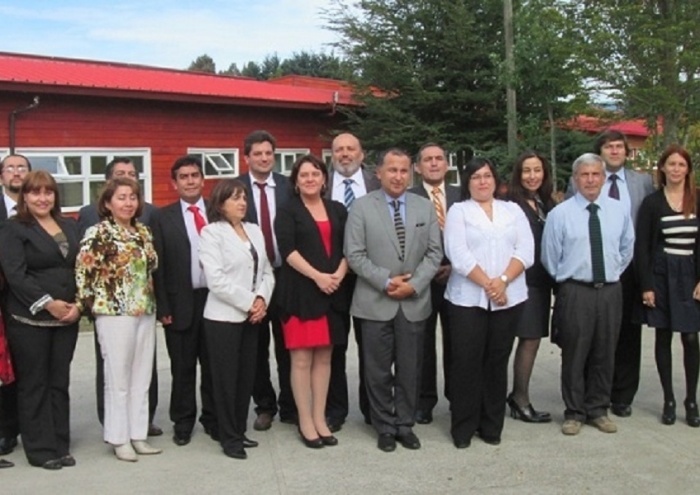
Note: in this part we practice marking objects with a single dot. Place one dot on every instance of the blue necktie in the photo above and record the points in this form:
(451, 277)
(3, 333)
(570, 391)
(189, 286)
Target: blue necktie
(349, 196)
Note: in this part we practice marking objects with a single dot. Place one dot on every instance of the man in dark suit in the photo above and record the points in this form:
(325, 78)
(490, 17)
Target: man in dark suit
(630, 188)
(348, 181)
(13, 169)
(181, 293)
(392, 243)
(87, 217)
(268, 191)
(431, 164)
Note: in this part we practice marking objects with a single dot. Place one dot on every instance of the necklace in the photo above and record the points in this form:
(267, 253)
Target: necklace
(676, 203)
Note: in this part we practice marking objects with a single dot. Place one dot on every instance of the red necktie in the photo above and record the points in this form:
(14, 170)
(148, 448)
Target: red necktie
(265, 224)
(199, 221)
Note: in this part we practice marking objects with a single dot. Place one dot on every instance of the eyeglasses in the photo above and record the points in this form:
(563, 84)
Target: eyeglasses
(15, 168)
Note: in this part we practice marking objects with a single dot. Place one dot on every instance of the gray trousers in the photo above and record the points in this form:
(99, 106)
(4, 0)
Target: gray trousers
(589, 325)
(392, 394)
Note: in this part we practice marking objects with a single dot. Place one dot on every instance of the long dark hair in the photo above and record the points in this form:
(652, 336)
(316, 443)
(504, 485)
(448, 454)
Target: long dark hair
(689, 184)
(518, 193)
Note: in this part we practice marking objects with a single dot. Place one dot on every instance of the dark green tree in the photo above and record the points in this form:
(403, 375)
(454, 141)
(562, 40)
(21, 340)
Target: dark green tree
(203, 63)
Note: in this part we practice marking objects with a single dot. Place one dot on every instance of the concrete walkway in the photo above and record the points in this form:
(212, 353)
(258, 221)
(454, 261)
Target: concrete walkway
(643, 457)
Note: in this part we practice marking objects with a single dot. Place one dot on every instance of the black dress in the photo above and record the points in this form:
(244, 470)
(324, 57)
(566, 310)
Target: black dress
(667, 243)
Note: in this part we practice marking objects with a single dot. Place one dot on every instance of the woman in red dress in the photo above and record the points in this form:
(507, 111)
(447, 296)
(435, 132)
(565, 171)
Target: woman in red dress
(312, 298)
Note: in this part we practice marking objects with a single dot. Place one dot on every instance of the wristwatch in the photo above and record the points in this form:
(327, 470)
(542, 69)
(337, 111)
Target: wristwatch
(504, 278)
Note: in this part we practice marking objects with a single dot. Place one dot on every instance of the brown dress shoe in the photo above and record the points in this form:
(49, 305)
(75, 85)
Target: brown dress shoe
(263, 422)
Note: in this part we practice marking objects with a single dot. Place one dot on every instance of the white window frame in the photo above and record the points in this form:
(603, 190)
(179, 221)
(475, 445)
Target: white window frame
(207, 156)
(327, 157)
(282, 153)
(86, 177)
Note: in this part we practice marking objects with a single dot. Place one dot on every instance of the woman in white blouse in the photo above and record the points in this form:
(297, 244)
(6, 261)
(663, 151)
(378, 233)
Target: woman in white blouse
(489, 244)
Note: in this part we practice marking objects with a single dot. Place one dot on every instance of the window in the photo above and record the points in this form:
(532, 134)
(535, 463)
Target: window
(217, 163)
(327, 157)
(80, 172)
(284, 159)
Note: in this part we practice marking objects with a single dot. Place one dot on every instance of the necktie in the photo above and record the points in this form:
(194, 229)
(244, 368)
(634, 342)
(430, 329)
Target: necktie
(399, 226)
(596, 239)
(265, 224)
(349, 196)
(439, 211)
(614, 191)
(199, 222)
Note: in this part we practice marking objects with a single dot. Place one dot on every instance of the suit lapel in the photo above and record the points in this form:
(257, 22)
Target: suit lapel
(410, 223)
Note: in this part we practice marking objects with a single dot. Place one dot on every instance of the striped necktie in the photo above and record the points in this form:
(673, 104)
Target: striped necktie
(439, 210)
(349, 196)
(596, 239)
(399, 226)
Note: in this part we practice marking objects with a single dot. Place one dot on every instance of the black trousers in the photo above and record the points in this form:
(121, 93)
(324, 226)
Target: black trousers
(481, 342)
(9, 423)
(264, 394)
(392, 393)
(428, 396)
(232, 353)
(42, 358)
(337, 404)
(100, 385)
(589, 323)
(628, 353)
(185, 348)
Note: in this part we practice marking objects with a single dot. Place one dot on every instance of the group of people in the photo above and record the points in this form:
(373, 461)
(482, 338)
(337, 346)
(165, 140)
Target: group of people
(304, 259)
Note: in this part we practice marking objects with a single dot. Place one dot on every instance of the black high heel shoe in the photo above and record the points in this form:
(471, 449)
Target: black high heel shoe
(692, 417)
(669, 415)
(527, 413)
(316, 443)
(329, 441)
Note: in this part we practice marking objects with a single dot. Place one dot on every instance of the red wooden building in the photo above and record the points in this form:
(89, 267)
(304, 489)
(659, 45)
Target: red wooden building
(90, 111)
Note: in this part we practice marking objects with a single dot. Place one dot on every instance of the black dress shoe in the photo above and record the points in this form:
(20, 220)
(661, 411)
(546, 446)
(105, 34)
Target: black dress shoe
(692, 417)
(248, 443)
(386, 442)
(329, 441)
(67, 461)
(528, 413)
(424, 417)
(491, 440)
(236, 452)
(154, 430)
(7, 445)
(409, 440)
(314, 443)
(181, 439)
(335, 425)
(51, 465)
(462, 444)
(263, 422)
(5, 464)
(621, 410)
(213, 432)
(668, 417)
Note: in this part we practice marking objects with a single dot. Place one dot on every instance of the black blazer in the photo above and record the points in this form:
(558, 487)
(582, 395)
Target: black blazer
(34, 266)
(3, 208)
(452, 195)
(296, 230)
(173, 279)
(283, 191)
(536, 275)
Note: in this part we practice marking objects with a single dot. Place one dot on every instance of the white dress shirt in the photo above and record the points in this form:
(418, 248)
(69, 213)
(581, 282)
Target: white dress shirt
(471, 240)
(621, 186)
(199, 281)
(358, 186)
(10, 205)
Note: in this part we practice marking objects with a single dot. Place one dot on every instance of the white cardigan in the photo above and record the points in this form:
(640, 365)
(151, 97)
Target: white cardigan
(228, 266)
(472, 239)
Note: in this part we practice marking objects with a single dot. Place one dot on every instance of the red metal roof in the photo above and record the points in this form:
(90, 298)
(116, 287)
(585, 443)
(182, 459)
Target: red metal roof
(44, 74)
(594, 125)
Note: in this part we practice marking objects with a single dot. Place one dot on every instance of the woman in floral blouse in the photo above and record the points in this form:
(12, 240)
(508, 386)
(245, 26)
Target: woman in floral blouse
(113, 275)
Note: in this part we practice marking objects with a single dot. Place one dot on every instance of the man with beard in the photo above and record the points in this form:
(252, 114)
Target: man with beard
(13, 169)
(348, 181)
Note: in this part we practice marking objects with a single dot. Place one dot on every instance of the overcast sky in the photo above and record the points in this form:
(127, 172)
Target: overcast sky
(164, 33)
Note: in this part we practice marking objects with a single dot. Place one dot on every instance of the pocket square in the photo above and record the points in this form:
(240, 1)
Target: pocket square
(420, 224)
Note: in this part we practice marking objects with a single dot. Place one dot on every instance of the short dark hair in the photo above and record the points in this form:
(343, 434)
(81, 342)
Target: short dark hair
(110, 188)
(417, 158)
(109, 170)
(184, 161)
(477, 163)
(518, 193)
(33, 182)
(15, 155)
(256, 137)
(223, 190)
(389, 152)
(608, 136)
(316, 162)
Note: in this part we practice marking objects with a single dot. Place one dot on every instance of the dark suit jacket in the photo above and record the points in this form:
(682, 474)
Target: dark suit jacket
(296, 230)
(3, 209)
(88, 216)
(34, 266)
(371, 182)
(283, 191)
(173, 279)
(452, 196)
